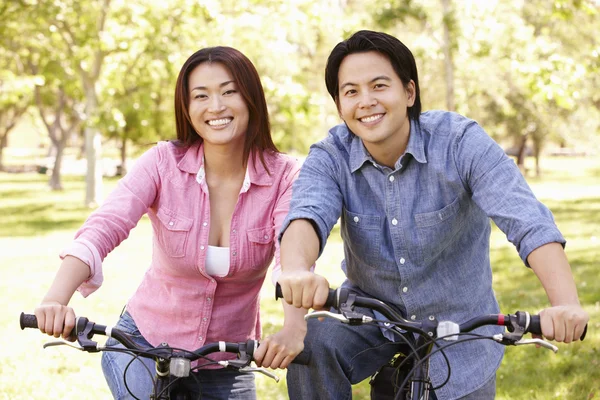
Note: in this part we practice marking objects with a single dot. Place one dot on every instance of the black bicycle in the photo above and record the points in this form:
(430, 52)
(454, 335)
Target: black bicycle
(410, 379)
(172, 364)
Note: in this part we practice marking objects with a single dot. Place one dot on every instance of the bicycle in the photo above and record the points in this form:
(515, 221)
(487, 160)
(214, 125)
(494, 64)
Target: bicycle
(171, 364)
(415, 382)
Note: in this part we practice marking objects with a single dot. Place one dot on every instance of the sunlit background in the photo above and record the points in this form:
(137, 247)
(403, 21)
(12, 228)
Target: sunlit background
(91, 82)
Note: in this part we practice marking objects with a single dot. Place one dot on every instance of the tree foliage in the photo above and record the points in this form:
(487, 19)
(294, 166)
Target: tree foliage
(522, 69)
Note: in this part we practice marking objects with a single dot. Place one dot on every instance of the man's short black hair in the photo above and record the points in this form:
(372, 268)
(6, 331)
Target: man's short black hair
(400, 57)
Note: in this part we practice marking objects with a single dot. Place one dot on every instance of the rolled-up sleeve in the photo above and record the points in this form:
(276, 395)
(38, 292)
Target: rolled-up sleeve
(281, 210)
(316, 193)
(111, 223)
(501, 191)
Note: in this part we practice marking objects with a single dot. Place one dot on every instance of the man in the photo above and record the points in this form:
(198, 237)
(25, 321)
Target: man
(415, 192)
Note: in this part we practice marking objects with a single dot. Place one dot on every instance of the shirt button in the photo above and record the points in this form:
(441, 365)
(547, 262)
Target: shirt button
(402, 261)
(204, 318)
(413, 317)
(171, 223)
(356, 219)
(266, 236)
(208, 298)
(392, 178)
(200, 338)
(234, 231)
(234, 253)
(201, 247)
(405, 289)
(394, 222)
(204, 223)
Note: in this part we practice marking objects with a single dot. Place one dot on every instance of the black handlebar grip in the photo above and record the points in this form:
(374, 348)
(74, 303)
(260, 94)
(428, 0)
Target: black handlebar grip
(535, 327)
(330, 302)
(28, 321)
(303, 358)
(278, 293)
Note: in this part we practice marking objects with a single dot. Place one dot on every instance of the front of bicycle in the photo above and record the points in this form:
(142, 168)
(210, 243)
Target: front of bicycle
(171, 364)
(432, 337)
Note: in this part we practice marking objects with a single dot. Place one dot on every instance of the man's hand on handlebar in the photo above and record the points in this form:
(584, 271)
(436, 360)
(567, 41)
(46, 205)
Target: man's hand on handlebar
(304, 289)
(563, 323)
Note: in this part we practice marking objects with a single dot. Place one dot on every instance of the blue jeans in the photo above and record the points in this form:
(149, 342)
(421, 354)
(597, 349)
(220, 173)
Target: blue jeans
(343, 355)
(122, 372)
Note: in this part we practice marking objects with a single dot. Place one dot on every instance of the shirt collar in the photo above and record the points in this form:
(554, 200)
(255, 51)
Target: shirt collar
(193, 163)
(416, 147)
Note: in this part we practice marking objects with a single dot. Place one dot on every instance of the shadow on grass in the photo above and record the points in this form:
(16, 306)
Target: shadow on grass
(36, 219)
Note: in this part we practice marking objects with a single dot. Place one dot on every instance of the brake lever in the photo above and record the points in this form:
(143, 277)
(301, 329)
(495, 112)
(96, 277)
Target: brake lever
(538, 342)
(328, 314)
(260, 370)
(507, 340)
(354, 318)
(63, 343)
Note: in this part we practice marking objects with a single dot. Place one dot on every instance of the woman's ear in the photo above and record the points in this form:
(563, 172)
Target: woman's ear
(411, 93)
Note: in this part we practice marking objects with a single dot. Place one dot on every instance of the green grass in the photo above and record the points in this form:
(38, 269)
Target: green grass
(35, 223)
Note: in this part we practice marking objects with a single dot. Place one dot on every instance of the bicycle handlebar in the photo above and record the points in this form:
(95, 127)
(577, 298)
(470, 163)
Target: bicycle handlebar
(85, 329)
(340, 297)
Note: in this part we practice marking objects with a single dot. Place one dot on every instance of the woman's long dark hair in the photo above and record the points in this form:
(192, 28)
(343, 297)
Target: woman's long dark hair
(258, 135)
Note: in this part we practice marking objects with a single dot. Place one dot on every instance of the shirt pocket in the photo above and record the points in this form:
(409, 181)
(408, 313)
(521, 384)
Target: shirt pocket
(363, 235)
(262, 247)
(173, 232)
(436, 230)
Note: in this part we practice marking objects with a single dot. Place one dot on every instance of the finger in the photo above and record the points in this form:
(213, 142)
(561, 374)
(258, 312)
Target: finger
(277, 360)
(69, 324)
(579, 328)
(59, 322)
(560, 330)
(321, 295)
(308, 298)
(259, 354)
(286, 292)
(547, 326)
(286, 362)
(41, 320)
(569, 330)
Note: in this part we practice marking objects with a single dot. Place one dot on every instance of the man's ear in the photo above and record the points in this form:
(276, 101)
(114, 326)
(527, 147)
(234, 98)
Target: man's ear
(337, 106)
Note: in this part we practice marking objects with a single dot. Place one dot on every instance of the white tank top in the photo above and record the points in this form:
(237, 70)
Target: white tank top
(217, 261)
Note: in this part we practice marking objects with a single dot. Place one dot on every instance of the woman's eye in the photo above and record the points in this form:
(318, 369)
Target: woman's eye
(229, 92)
(350, 92)
(199, 96)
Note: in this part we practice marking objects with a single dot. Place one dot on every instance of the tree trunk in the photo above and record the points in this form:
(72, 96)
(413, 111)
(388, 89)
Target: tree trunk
(123, 167)
(3, 145)
(448, 60)
(93, 149)
(521, 154)
(55, 180)
(93, 178)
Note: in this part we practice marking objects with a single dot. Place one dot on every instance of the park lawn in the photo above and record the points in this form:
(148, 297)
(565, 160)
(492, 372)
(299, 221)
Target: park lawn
(36, 223)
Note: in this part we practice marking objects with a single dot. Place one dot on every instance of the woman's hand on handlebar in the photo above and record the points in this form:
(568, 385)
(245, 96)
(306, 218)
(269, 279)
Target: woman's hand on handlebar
(55, 319)
(563, 323)
(304, 289)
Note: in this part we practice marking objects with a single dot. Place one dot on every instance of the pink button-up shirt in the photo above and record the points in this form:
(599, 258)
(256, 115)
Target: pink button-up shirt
(177, 301)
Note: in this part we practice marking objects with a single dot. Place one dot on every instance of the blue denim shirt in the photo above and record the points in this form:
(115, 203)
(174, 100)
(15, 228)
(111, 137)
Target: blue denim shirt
(418, 235)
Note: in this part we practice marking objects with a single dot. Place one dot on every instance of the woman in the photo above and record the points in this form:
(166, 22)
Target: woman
(216, 198)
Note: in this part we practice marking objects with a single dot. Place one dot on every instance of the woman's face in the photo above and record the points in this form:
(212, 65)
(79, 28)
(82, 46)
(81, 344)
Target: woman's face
(217, 109)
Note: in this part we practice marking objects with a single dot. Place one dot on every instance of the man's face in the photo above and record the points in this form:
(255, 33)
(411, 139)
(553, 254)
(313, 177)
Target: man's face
(373, 102)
